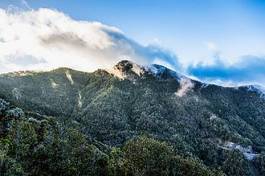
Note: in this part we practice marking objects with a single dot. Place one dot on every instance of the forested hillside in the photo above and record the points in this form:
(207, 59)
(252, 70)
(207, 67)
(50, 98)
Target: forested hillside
(131, 120)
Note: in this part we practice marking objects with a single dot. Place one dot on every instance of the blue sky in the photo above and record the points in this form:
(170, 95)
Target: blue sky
(197, 31)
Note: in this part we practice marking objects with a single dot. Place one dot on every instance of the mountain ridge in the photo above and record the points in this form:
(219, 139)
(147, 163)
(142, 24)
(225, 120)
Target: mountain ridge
(154, 69)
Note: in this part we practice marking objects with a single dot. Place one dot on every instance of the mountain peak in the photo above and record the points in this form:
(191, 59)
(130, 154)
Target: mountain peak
(126, 69)
(126, 66)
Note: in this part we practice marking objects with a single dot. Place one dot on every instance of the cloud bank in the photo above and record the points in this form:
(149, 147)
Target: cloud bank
(44, 39)
(247, 70)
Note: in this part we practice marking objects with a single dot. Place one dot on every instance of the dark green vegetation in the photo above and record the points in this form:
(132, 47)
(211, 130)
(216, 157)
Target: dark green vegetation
(149, 123)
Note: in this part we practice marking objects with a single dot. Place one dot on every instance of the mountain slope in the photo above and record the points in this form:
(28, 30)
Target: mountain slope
(113, 106)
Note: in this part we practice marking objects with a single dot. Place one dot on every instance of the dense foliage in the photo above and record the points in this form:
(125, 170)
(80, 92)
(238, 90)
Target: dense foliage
(45, 147)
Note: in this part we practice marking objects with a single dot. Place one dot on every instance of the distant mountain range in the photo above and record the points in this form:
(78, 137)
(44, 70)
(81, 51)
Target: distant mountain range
(207, 122)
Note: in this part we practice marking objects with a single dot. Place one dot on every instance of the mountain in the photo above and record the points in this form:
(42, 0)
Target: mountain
(222, 128)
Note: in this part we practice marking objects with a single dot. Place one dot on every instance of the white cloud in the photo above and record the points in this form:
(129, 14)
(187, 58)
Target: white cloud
(211, 46)
(185, 86)
(52, 39)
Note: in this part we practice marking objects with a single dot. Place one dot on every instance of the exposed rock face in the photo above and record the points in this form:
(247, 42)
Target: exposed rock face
(128, 70)
(124, 66)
